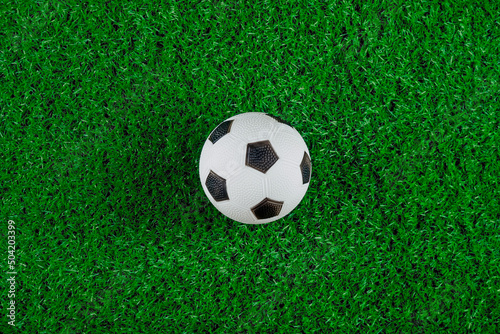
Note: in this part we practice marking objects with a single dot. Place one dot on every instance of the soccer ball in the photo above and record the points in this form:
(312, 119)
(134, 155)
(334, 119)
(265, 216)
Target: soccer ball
(255, 168)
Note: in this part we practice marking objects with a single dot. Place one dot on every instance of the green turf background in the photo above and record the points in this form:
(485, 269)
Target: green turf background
(104, 109)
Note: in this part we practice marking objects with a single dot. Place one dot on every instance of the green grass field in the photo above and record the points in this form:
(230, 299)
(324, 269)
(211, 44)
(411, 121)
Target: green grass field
(104, 109)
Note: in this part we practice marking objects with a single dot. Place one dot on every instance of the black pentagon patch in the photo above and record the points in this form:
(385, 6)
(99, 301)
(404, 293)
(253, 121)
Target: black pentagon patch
(279, 120)
(261, 156)
(216, 185)
(268, 208)
(220, 131)
(305, 168)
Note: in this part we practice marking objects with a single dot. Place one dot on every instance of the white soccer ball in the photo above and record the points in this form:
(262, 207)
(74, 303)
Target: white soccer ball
(255, 168)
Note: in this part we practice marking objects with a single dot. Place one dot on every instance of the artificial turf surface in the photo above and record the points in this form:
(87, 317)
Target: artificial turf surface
(104, 111)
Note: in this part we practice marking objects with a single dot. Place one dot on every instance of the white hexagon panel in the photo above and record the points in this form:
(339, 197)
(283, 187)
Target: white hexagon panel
(255, 168)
